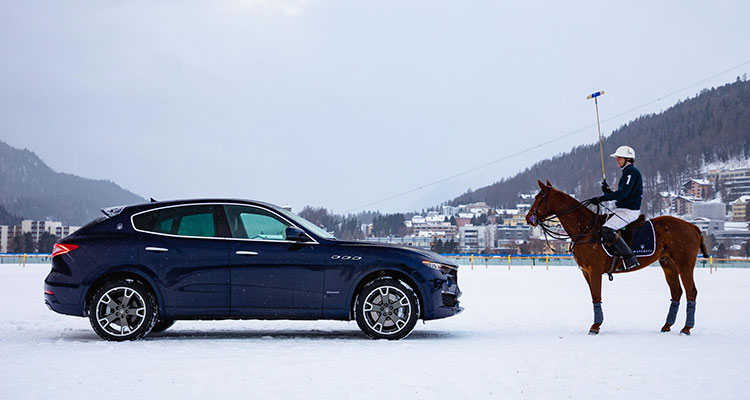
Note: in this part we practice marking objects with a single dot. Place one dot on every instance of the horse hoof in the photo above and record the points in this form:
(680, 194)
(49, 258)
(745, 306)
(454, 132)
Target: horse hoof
(666, 328)
(593, 332)
(685, 331)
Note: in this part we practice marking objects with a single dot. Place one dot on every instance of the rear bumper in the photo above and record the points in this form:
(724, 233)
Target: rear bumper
(62, 298)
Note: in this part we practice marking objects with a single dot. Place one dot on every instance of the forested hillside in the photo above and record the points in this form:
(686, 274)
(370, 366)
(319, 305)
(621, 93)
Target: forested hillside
(670, 147)
(32, 190)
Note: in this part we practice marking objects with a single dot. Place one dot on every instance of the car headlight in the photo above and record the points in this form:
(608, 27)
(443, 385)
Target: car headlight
(444, 268)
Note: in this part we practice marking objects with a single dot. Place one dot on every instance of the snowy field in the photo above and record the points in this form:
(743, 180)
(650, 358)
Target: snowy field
(523, 335)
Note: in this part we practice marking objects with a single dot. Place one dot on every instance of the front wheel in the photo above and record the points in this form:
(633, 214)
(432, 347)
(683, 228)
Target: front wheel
(122, 310)
(386, 308)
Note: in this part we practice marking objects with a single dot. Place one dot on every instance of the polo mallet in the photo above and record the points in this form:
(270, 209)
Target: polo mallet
(598, 126)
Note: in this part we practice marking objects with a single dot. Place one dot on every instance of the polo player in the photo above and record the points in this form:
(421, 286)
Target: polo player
(628, 197)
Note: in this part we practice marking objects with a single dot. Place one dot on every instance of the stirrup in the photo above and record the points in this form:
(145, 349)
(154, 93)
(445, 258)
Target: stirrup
(624, 266)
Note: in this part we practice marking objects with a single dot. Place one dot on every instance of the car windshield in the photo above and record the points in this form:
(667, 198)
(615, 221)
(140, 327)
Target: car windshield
(306, 224)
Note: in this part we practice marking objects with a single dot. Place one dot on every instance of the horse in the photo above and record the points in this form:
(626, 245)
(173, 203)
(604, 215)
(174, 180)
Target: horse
(677, 246)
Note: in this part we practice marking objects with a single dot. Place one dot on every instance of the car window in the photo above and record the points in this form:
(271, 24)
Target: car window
(197, 225)
(255, 223)
(197, 220)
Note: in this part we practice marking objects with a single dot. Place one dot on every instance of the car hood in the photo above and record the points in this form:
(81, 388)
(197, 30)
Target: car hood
(426, 254)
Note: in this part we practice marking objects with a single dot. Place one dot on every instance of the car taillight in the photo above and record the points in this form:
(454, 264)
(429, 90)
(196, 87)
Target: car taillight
(60, 249)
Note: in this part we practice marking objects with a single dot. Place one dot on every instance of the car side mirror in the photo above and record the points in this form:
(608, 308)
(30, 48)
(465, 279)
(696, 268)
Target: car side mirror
(296, 235)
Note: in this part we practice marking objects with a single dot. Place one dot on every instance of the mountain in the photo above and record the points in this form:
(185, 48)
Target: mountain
(671, 147)
(31, 190)
(7, 218)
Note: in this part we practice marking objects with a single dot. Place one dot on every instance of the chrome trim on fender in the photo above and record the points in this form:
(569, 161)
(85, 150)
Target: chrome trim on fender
(157, 249)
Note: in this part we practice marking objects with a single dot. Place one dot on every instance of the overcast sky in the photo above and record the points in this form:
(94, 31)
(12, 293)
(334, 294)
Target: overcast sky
(340, 103)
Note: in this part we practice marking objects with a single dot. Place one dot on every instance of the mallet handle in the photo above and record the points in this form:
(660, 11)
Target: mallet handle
(601, 150)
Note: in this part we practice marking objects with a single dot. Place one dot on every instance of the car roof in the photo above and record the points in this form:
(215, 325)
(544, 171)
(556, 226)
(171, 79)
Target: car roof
(167, 203)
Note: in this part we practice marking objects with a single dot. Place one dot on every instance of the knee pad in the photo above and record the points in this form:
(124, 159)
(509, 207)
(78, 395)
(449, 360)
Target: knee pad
(608, 234)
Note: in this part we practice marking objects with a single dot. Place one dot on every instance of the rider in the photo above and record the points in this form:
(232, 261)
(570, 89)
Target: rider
(628, 198)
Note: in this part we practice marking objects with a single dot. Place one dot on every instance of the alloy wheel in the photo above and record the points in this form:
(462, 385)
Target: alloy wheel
(387, 310)
(120, 311)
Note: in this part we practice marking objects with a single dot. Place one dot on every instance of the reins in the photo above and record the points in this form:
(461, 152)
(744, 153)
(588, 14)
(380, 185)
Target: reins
(550, 232)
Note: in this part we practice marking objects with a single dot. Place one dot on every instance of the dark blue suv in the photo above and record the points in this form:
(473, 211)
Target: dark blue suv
(139, 268)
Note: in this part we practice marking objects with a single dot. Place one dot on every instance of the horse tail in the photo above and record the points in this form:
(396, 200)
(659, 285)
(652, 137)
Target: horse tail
(703, 243)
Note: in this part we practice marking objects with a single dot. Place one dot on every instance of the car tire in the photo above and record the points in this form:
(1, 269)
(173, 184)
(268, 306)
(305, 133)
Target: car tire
(122, 310)
(162, 325)
(386, 308)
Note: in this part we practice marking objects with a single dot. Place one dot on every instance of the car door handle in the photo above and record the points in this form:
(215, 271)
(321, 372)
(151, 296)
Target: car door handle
(245, 253)
(156, 249)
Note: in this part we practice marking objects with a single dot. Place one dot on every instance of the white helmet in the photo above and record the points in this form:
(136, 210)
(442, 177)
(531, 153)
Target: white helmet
(624, 152)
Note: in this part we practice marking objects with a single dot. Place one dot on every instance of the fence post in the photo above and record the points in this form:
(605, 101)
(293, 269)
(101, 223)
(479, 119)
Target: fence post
(472, 261)
(547, 262)
(508, 261)
(710, 265)
(24, 260)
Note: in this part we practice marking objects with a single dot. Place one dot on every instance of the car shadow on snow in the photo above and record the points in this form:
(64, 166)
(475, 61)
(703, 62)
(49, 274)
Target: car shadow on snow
(266, 334)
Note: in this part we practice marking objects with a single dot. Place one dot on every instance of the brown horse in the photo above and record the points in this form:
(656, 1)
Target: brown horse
(677, 246)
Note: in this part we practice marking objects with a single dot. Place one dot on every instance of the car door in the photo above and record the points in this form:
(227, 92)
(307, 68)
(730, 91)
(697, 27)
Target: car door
(186, 247)
(271, 276)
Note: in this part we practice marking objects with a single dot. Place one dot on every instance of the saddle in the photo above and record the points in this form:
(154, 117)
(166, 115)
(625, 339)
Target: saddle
(627, 231)
(639, 235)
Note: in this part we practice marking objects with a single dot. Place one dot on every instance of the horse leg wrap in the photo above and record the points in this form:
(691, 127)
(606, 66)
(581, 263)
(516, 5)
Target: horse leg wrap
(690, 320)
(673, 308)
(598, 314)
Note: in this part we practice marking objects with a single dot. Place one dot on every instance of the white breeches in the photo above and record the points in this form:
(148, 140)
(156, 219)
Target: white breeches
(622, 217)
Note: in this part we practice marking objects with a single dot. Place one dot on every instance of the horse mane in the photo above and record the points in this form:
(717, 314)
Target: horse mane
(568, 199)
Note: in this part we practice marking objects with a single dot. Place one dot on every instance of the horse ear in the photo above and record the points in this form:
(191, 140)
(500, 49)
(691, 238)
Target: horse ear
(541, 185)
(549, 184)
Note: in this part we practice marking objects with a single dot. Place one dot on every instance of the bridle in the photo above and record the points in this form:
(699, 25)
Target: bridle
(550, 232)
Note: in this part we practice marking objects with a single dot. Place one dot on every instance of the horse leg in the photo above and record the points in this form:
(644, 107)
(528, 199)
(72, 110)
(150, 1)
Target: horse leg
(595, 285)
(691, 293)
(673, 280)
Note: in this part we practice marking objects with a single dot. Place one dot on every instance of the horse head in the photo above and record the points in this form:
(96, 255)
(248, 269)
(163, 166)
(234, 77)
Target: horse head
(541, 209)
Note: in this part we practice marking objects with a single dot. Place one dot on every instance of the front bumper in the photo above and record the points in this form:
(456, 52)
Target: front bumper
(442, 301)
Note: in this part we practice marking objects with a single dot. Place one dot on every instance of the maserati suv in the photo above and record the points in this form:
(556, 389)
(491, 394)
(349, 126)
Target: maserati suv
(139, 268)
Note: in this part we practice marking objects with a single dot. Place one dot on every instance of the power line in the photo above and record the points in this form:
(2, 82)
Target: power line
(558, 138)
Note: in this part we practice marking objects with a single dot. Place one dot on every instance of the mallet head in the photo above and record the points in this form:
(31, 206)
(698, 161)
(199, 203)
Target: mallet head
(597, 94)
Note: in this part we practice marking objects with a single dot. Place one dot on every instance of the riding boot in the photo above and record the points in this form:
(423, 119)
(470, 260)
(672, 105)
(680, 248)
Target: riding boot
(617, 243)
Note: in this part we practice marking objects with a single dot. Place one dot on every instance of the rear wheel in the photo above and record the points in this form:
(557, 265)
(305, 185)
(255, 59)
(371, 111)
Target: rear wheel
(386, 308)
(122, 310)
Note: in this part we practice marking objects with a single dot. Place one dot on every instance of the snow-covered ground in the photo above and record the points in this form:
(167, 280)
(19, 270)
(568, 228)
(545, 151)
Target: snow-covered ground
(523, 335)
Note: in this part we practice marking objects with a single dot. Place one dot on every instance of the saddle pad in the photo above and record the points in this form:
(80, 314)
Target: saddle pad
(644, 241)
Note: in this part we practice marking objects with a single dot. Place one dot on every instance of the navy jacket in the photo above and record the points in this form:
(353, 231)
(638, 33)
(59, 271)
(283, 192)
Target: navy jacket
(629, 191)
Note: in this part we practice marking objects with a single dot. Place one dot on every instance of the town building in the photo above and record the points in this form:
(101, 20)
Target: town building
(36, 228)
(475, 239)
(412, 241)
(682, 205)
(441, 230)
(709, 209)
(735, 182)
(739, 209)
(699, 189)
(4, 238)
(708, 226)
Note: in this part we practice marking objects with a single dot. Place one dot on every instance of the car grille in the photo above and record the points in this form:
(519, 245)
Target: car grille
(449, 300)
